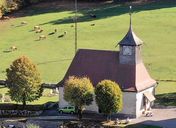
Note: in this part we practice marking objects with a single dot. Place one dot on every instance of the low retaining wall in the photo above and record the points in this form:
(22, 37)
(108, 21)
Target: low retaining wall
(21, 113)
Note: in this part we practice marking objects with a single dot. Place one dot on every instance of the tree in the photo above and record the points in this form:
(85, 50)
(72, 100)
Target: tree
(79, 92)
(23, 81)
(108, 97)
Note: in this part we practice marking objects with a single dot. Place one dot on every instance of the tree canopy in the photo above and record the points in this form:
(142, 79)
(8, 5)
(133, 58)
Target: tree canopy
(108, 97)
(23, 81)
(79, 92)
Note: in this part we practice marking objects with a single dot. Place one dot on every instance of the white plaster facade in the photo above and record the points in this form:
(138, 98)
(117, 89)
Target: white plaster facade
(140, 107)
(133, 103)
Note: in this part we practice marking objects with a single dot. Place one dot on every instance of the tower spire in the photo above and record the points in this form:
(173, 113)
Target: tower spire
(130, 39)
(130, 13)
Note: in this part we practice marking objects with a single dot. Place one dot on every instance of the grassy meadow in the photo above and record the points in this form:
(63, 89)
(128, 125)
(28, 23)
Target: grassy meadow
(154, 23)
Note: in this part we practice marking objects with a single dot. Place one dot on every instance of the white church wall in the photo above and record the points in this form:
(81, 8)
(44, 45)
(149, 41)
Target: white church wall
(140, 103)
(62, 102)
(129, 103)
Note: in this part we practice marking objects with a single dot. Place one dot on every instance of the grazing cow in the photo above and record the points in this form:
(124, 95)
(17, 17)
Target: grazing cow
(23, 23)
(62, 35)
(55, 30)
(13, 48)
(36, 28)
(39, 31)
(41, 37)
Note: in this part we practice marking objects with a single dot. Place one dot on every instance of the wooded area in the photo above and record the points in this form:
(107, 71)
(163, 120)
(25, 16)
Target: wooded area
(7, 6)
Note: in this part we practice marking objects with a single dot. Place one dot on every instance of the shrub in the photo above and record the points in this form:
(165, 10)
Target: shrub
(32, 126)
(108, 97)
(79, 92)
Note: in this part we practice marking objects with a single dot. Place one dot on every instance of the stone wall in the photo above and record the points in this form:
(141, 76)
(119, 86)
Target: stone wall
(19, 113)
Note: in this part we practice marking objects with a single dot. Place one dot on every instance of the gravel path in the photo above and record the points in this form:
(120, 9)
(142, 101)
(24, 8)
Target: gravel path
(165, 118)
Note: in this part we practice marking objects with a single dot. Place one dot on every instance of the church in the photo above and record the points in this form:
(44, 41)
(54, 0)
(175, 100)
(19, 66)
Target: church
(125, 67)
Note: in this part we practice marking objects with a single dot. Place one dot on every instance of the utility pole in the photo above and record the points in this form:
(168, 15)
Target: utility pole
(76, 36)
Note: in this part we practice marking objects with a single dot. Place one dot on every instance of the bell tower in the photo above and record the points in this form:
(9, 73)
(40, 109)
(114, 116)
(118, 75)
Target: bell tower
(130, 47)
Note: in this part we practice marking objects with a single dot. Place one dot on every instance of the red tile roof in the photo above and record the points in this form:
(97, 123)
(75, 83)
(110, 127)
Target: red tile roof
(98, 65)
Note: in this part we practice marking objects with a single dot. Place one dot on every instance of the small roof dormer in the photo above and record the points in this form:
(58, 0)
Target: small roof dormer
(130, 38)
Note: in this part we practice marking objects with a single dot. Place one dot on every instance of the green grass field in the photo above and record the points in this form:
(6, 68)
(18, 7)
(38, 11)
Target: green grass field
(154, 23)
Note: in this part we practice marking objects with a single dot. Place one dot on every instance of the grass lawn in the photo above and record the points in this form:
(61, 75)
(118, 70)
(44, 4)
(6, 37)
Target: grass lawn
(154, 23)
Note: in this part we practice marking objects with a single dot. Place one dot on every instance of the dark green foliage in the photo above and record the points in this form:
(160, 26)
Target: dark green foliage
(108, 97)
(23, 80)
(166, 99)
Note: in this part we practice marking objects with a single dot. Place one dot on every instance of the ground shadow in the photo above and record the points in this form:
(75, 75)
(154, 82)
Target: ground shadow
(110, 11)
(167, 99)
(7, 51)
(101, 11)
(169, 123)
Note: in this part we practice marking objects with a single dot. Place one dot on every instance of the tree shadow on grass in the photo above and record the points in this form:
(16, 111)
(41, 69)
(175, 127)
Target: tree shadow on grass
(109, 11)
(101, 11)
(167, 99)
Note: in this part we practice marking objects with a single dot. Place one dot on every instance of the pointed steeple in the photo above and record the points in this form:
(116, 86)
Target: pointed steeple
(130, 38)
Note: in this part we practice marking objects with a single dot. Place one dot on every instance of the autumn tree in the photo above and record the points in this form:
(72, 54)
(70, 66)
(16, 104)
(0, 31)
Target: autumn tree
(108, 97)
(79, 92)
(23, 81)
